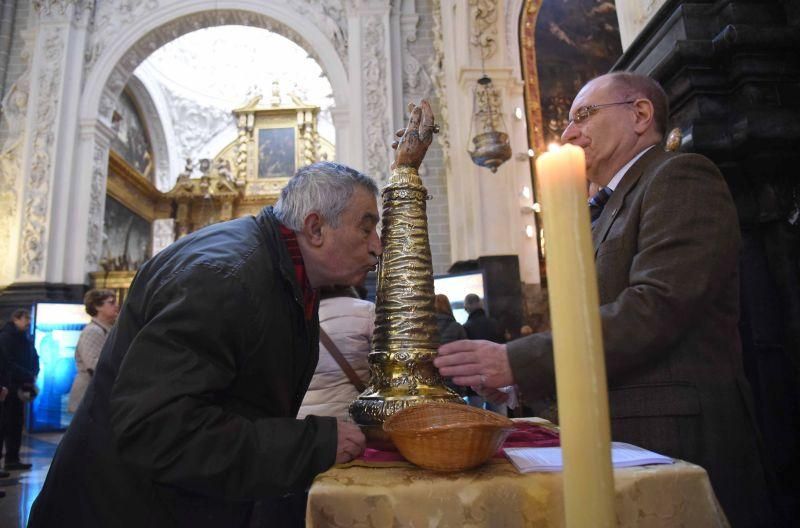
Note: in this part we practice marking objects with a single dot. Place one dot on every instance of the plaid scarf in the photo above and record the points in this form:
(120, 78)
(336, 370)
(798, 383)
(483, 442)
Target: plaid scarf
(309, 294)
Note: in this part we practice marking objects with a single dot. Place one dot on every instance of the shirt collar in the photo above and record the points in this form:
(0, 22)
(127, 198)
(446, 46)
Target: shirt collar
(612, 185)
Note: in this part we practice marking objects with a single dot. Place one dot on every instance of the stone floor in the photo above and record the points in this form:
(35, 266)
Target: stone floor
(22, 487)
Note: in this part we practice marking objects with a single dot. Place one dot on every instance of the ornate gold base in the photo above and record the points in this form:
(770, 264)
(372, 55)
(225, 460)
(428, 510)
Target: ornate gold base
(374, 410)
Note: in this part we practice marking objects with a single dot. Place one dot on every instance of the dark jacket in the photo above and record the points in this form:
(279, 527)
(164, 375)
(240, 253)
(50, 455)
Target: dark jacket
(449, 329)
(19, 362)
(666, 250)
(191, 413)
(481, 326)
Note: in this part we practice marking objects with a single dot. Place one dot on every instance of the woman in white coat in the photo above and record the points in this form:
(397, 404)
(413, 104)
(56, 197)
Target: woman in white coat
(349, 321)
(102, 306)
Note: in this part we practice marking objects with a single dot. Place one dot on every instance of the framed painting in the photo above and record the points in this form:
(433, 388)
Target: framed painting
(276, 152)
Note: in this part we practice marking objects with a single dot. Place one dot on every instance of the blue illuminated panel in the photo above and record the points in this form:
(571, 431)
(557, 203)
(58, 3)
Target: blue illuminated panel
(56, 328)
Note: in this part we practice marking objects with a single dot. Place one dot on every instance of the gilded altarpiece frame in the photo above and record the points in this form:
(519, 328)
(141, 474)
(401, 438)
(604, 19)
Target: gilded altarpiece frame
(247, 175)
(248, 156)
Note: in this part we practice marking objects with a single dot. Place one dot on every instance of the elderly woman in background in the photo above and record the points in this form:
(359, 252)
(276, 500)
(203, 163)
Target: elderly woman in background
(102, 306)
(349, 322)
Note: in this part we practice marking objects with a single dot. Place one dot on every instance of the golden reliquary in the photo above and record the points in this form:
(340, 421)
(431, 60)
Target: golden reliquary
(406, 337)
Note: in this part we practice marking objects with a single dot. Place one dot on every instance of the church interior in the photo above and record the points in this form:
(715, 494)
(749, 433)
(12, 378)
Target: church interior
(130, 124)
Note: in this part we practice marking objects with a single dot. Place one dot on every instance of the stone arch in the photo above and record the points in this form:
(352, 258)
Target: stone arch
(108, 74)
(113, 54)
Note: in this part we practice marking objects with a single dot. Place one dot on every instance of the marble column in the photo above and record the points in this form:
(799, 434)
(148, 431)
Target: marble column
(49, 141)
(371, 85)
(38, 249)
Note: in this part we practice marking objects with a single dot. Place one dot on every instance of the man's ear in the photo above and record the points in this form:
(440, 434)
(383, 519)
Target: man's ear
(313, 229)
(643, 109)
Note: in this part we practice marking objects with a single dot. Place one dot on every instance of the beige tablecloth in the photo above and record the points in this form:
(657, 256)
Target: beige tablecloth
(497, 495)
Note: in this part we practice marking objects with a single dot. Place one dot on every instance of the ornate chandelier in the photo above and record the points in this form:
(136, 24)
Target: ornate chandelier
(490, 145)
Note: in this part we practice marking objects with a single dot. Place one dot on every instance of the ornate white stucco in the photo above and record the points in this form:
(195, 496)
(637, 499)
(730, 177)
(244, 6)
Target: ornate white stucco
(367, 49)
(376, 126)
(199, 124)
(63, 146)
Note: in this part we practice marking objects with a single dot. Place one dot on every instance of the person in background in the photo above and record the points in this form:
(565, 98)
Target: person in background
(21, 364)
(3, 394)
(449, 328)
(479, 325)
(349, 322)
(525, 330)
(102, 306)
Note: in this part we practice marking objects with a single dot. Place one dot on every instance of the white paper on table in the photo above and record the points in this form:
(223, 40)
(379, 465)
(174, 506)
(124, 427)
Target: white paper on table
(548, 459)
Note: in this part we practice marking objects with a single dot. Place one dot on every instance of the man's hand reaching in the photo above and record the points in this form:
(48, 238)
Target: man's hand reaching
(350, 442)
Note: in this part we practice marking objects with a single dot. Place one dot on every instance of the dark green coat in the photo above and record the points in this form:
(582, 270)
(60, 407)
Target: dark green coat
(190, 416)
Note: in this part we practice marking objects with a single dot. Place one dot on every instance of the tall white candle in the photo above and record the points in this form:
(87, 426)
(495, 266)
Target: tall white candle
(577, 339)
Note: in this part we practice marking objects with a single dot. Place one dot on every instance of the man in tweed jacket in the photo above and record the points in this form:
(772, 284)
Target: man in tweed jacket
(666, 248)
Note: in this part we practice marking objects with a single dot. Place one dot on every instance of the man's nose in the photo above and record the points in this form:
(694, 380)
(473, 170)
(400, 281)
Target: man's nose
(375, 246)
(571, 133)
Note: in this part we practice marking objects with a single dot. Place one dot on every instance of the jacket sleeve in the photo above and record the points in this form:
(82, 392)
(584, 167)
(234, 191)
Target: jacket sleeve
(167, 416)
(686, 250)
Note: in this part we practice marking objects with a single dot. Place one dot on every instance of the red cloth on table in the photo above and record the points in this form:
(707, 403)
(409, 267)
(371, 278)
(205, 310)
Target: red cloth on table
(525, 434)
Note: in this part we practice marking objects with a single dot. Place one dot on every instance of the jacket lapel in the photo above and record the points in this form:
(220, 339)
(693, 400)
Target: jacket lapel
(614, 204)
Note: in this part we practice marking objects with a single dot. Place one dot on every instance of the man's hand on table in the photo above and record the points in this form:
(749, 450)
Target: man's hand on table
(350, 442)
(482, 365)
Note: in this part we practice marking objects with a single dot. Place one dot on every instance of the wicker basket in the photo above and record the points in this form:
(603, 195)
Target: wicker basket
(447, 436)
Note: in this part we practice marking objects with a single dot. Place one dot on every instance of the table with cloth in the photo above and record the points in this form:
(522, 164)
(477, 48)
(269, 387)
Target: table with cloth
(381, 490)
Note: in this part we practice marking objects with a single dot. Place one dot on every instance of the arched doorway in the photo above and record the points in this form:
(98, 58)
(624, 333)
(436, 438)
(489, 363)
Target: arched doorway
(118, 52)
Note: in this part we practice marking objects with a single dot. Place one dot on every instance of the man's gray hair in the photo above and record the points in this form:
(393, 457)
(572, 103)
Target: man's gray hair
(325, 188)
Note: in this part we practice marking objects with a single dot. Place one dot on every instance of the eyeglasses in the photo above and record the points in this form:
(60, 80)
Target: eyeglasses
(585, 112)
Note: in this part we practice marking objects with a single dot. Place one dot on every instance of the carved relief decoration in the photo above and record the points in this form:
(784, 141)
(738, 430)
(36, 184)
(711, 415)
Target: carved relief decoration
(9, 170)
(35, 208)
(330, 17)
(94, 239)
(194, 124)
(376, 126)
(14, 111)
(417, 82)
(439, 83)
(110, 17)
(484, 26)
(53, 9)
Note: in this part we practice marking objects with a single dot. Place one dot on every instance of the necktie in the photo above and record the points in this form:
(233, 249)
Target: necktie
(597, 202)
